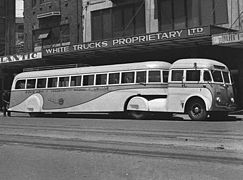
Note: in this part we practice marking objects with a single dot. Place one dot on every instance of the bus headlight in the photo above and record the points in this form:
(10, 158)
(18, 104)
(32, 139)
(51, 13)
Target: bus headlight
(232, 100)
(218, 99)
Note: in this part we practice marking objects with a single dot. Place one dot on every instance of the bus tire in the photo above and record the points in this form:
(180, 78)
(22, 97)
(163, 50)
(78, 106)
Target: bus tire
(137, 114)
(196, 110)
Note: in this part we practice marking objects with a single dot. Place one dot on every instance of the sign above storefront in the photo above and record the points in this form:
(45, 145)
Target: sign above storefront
(227, 38)
(131, 40)
(20, 57)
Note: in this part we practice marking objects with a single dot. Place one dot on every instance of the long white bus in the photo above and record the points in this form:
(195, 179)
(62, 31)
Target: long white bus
(132, 87)
(198, 87)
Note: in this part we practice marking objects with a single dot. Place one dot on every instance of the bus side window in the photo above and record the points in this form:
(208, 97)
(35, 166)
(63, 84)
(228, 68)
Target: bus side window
(165, 76)
(31, 83)
(127, 77)
(193, 75)
(75, 81)
(41, 83)
(141, 77)
(63, 81)
(206, 76)
(52, 82)
(226, 77)
(114, 78)
(177, 75)
(101, 79)
(88, 80)
(217, 77)
(20, 84)
(154, 76)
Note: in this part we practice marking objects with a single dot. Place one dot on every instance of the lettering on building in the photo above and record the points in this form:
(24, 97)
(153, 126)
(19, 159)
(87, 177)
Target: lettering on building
(20, 57)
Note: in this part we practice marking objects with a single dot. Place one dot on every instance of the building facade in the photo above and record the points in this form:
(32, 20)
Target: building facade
(116, 31)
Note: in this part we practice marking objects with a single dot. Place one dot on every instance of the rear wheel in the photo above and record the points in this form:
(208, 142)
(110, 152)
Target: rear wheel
(197, 110)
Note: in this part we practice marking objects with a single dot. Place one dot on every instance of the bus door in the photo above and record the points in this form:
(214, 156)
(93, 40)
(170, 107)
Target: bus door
(222, 87)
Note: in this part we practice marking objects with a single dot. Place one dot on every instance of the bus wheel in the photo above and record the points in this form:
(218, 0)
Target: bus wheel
(197, 110)
(138, 114)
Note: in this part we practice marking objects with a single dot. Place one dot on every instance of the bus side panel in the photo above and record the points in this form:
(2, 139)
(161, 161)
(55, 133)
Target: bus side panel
(177, 98)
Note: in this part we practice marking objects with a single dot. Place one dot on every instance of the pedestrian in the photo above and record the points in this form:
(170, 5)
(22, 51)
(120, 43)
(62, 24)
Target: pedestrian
(5, 100)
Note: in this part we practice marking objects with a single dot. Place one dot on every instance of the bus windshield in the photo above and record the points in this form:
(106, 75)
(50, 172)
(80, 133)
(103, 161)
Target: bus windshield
(219, 76)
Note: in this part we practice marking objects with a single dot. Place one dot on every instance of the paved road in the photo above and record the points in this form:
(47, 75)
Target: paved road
(103, 148)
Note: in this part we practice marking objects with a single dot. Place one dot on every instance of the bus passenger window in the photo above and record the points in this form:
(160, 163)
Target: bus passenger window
(63, 81)
(75, 81)
(128, 77)
(141, 77)
(31, 83)
(41, 83)
(165, 76)
(88, 80)
(101, 79)
(154, 76)
(193, 75)
(114, 78)
(52, 82)
(226, 77)
(177, 75)
(206, 76)
(217, 76)
(20, 84)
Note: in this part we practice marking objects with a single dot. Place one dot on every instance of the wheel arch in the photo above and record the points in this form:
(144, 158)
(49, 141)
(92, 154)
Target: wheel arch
(194, 98)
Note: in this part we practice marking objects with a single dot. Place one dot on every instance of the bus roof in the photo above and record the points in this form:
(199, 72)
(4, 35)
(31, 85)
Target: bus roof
(200, 63)
(96, 69)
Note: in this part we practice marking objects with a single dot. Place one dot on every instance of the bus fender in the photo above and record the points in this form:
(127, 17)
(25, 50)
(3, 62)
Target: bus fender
(138, 103)
(34, 103)
(207, 101)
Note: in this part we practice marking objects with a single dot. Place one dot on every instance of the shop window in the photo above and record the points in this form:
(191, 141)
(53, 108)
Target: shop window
(101, 79)
(75, 81)
(41, 83)
(193, 75)
(88, 80)
(114, 78)
(31, 83)
(52, 82)
(154, 76)
(127, 77)
(118, 21)
(20, 84)
(177, 75)
(141, 77)
(63, 81)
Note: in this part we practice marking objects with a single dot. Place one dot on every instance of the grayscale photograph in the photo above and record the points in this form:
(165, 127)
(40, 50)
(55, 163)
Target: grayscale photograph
(121, 89)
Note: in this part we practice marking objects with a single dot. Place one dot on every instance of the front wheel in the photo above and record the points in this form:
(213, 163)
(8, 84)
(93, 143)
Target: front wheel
(197, 110)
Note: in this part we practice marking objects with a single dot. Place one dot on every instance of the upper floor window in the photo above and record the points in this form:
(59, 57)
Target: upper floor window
(118, 21)
(33, 3)
(179, 14)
